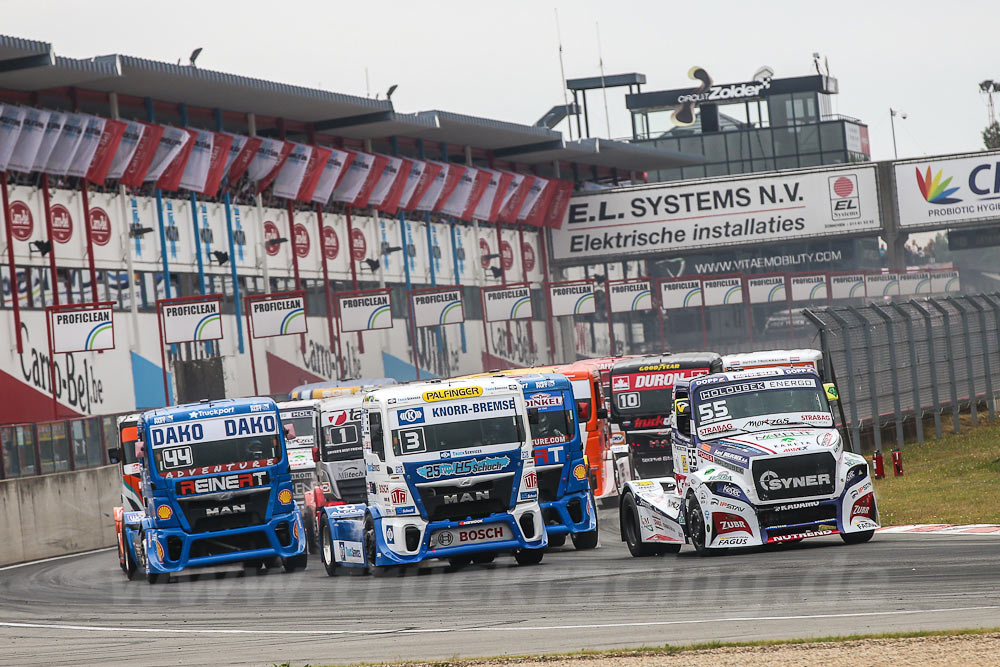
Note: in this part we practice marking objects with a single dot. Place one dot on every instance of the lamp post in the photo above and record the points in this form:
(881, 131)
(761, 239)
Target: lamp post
(892, 121)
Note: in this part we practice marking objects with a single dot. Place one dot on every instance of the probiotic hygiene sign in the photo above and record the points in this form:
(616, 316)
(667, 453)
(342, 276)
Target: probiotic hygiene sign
(83, 330)
(184, 322)
(362, 312)
(278, 316)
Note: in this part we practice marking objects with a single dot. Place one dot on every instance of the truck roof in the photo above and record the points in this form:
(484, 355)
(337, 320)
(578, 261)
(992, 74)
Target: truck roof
(728, 376)
(413, 392)
(544, 381)
(297, 405)
(667, 362)
(207, 409)
(771, 358)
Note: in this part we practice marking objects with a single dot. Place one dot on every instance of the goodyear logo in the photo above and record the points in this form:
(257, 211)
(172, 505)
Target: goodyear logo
(456, 392)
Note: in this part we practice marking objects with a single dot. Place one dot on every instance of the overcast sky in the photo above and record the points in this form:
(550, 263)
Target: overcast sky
(500, 59)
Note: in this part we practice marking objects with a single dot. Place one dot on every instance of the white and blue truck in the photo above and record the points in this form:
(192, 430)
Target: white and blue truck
(450, 474)
(216, 490)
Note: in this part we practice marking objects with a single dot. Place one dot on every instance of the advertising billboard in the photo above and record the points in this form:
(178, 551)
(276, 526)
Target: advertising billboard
(576, 298)
(949, 191)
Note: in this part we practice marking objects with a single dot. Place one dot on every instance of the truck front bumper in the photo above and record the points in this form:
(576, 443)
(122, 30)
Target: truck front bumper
(573, 513)
(173, 550)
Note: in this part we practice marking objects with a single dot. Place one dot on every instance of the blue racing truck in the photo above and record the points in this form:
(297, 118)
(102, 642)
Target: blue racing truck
(216, 489)
(449, 474)
(564, 491)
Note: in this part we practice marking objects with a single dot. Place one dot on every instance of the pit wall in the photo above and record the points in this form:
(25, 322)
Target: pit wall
(62, 513)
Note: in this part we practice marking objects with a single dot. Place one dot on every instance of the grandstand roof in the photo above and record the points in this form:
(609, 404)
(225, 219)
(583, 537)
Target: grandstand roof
(27, 65)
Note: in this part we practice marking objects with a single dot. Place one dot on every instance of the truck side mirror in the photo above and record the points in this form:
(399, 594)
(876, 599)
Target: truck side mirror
(315, 453)
(532, 415)
(140, 449)
(114, 455)
(831, 391)
(602, 413)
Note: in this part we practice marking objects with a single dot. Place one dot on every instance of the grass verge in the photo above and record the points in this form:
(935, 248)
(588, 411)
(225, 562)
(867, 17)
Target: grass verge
(669, 649)
(951, 480)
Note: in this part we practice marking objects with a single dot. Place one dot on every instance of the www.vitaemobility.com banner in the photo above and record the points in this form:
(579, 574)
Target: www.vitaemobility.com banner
(84, 330)
(573, 299)
(197, 321)
(431, 309)
(654, 219)
(507, 303)
(628, 296)
(278, 316)
(364, 312)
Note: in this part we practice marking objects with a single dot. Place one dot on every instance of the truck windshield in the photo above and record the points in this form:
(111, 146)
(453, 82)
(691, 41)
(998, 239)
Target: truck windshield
(442, 437)
(552, 427)
(298, 423)
(759, 405)
(341, 443)
(203, 457)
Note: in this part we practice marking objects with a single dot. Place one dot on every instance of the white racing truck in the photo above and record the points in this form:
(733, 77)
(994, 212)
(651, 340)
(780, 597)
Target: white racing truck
(450, 474)
(757, 460)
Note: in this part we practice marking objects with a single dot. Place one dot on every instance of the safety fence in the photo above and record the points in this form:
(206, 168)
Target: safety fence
(900, 365)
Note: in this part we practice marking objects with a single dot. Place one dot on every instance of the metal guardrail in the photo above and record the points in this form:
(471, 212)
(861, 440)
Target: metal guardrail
(897, 364)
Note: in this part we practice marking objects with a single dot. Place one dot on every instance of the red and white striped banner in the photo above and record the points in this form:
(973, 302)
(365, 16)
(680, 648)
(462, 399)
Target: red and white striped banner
(336, 166)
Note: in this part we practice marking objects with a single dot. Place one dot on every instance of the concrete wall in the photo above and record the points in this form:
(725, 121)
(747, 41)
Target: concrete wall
(57, 514)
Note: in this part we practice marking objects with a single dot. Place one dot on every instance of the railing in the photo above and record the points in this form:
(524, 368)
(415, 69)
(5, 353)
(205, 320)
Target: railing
(900, 365)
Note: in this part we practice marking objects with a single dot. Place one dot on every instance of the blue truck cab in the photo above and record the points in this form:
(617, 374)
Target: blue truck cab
(449, 474)
(564, 491)
(217, 489)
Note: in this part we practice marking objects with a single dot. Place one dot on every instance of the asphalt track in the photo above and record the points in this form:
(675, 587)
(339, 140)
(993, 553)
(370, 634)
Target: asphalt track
(81, 610)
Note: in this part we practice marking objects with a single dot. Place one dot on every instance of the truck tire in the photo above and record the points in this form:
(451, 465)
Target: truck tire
(857, 538)
(458, 562)
(629, 517)
(370, 551)
(293, 563)
(128, 565)
(309, 521)
(529, 556)
(589, 539)
(326, 551)
(484, 559)
(697, 532)
(557, 540)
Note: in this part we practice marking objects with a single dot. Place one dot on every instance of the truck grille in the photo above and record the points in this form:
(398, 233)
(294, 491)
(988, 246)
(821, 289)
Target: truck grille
(239, 511)
(454, 503)
(352, 490)
(798, 476)
(776, 517)
(548, 482)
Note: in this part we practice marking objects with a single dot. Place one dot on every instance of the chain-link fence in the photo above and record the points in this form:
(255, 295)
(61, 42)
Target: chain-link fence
(902, 366)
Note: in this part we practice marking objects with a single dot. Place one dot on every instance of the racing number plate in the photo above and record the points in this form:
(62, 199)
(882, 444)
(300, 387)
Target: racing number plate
(462, 536)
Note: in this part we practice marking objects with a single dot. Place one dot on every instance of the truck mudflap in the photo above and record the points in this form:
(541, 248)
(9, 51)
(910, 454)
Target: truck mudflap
(173, 550)
(659, 510)
(409, 539)
(573, 513)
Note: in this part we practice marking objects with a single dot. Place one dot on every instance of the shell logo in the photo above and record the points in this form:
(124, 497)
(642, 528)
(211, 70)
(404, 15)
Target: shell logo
(285, 496)
(164, 512)
(580, 471)
(159, 550)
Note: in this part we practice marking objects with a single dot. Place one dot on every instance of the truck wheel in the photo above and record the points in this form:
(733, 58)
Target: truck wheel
(557, 540)
(629, 518)
(697, 531)
(293, 563)
(857, 538)
(458, 562)
(484, 559)
(529, 556)
(326, 551)
(370, 551)
(128, 565)
(309, 521)
(585, 541)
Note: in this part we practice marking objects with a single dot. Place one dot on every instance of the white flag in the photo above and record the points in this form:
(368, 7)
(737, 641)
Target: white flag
(430, 197)
(10, 128)
(331, 174)
(485, 204)
(267, 158)
(412, 180)
(352, 182)
(289, 179)
(171, 143)
(196, 169)
(88, 146)
(67, 143)
(126, 149)
(385, 181)
(239, 141)
(536, 190)
(460, 195)
(53, 128)
(32, 133)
